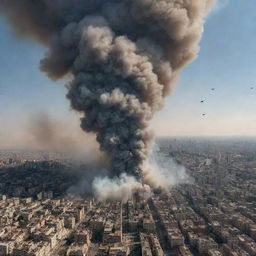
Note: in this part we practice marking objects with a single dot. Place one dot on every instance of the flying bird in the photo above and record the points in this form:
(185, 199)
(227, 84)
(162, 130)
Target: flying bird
(202, 101)
(213, 89)
(203, 114)
(252, 88)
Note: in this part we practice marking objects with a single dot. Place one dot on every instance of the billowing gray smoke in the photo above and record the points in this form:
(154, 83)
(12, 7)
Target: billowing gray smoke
(124, 57)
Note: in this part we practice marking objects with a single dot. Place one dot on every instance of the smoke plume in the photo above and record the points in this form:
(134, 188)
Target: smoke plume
(124, 58)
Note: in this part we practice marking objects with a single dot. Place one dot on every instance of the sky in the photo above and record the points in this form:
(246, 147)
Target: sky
(226, 62)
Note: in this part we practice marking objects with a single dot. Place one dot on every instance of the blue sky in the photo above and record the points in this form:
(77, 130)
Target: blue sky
(227, 62)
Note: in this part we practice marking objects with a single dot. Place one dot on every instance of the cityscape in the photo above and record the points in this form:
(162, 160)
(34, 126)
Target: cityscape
(212, 215)
(127, 128)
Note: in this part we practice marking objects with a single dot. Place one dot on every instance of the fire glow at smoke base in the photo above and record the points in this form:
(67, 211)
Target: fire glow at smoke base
(124, 57)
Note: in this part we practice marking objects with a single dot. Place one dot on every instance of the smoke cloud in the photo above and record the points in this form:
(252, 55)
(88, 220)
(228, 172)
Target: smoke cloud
(124, 58)
(121, 188)
(163, 172)
(46, 132)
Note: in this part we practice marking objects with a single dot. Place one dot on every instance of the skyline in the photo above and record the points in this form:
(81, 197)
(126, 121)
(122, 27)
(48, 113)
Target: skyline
(226, 58)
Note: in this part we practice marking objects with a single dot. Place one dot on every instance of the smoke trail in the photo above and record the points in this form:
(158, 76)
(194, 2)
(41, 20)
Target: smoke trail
(124, 57)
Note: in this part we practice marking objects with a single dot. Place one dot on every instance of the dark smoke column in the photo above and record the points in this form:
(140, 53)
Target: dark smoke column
(124, 57)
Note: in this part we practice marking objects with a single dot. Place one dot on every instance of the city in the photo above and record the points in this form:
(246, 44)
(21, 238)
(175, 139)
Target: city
(96, 159)
(213, 215)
